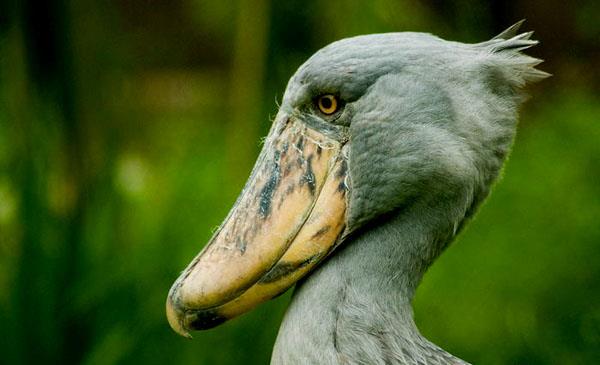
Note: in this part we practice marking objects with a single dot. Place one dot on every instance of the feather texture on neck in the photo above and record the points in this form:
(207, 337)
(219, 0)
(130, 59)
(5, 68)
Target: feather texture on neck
(356, 308)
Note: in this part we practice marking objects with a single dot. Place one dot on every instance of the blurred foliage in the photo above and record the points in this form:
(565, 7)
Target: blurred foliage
(127, 128)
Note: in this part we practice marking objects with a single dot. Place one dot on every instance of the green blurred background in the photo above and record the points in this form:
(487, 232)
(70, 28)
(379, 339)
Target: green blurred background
(127, 129)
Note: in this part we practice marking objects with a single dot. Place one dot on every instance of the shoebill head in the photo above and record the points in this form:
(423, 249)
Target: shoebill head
(368, 125)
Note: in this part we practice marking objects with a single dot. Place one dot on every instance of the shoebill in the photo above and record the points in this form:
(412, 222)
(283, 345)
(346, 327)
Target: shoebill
(383, 148)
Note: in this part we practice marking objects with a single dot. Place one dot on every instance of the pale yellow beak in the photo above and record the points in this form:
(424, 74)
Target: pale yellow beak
(290, 216)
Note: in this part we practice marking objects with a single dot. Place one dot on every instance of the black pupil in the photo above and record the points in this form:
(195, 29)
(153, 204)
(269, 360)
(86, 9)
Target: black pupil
(326, 102)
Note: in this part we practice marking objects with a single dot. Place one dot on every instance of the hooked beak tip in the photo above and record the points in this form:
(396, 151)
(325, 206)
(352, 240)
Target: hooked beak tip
(182, 319)
(176, 316)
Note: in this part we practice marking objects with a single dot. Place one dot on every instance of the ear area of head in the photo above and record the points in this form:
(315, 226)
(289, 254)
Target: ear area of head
(403, 147)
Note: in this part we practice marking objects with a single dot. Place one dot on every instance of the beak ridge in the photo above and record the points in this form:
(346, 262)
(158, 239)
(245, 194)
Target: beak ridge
(289, 216)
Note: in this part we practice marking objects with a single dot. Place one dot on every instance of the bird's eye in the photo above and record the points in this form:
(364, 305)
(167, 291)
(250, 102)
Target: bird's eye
(328, 104)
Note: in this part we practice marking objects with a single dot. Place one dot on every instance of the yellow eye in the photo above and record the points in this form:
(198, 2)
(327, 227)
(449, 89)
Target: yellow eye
(328, 104)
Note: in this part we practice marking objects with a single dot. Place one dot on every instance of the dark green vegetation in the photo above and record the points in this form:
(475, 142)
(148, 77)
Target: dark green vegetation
(127, 129)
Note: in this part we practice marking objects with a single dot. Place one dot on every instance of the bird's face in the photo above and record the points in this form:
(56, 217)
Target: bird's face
(368, 125)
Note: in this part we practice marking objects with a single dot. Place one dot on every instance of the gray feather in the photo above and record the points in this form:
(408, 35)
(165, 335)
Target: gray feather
(510, 31)
(429, 124)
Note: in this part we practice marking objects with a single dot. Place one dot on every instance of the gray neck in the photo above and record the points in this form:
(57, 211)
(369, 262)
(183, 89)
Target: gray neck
(356, 307)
